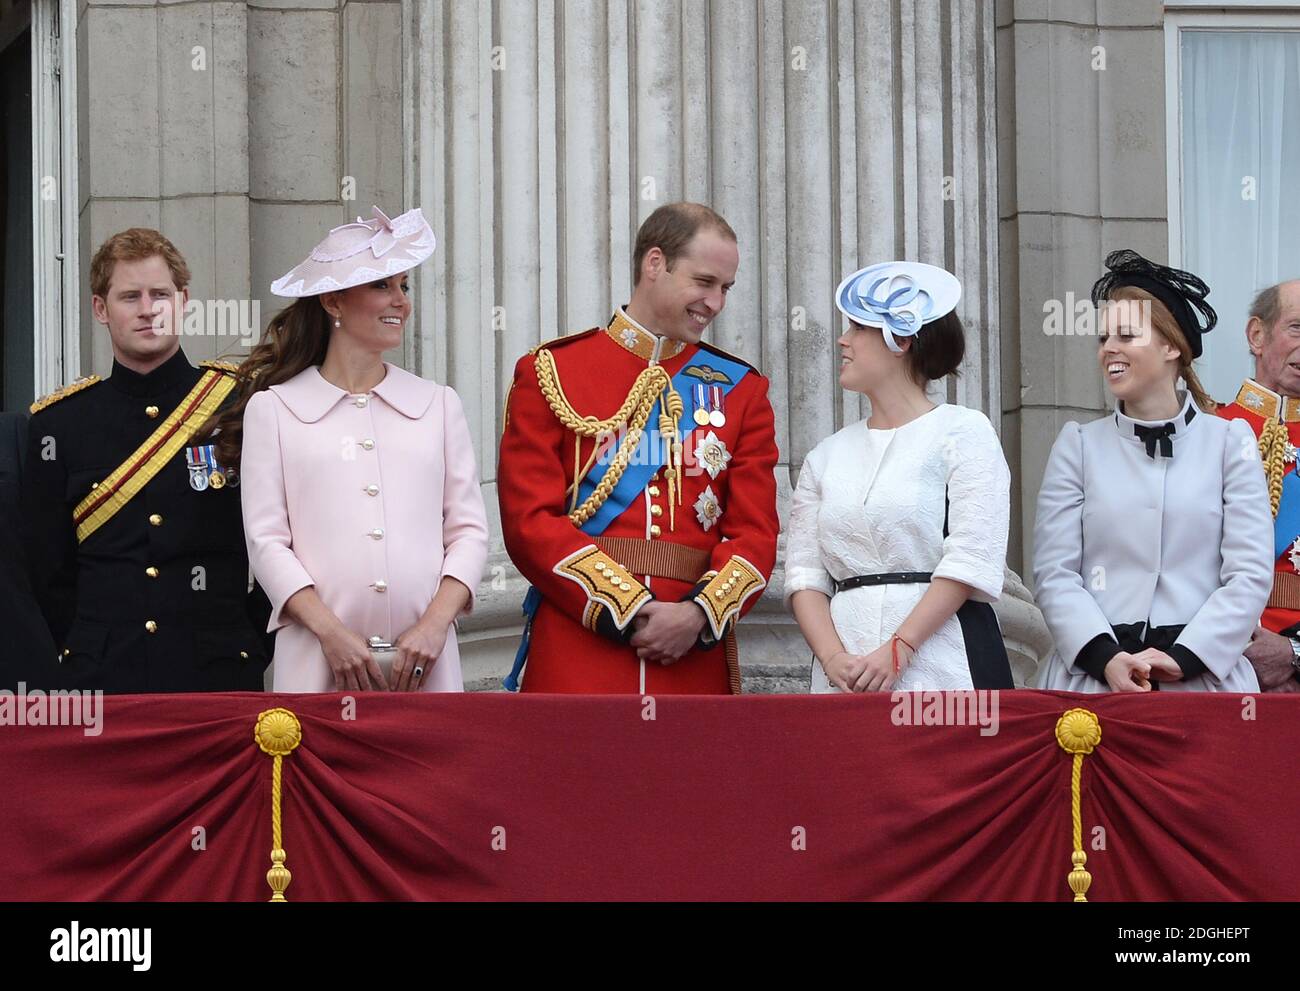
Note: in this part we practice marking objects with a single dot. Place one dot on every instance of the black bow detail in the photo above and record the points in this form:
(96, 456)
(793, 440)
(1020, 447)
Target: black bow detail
(1135, 637)
(1163, 433)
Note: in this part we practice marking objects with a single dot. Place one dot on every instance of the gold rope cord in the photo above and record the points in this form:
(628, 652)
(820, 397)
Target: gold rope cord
(277, 733)
(634, 413)
(1078, 732)
(1272, 451)
(669, 416)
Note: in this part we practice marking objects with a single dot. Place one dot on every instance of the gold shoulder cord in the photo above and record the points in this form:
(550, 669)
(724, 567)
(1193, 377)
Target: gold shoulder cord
(1272, 451)
(633, 414)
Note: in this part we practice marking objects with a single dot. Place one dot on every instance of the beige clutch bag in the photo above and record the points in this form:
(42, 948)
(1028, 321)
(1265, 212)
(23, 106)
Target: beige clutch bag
(385, 655)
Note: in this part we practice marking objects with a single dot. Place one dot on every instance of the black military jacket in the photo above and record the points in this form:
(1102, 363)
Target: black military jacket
(26, 650)
(156, 599)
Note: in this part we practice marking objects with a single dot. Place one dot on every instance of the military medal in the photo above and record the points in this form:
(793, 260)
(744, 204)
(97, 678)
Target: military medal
(708, 406)
(712, 454)
(196, 459)
(205, 472)
(707, 508)
(217, 478)
(716, 417)
(701, 414)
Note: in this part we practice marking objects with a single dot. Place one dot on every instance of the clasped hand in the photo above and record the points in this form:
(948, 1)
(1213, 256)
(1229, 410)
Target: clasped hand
(420, 646)
(354, 668)
(1127, 672)
(873, 672)
(1272, 656)
(666, 630)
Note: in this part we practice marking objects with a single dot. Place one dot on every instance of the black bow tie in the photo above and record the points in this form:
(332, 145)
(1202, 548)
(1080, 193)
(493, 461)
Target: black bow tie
(1163, 433)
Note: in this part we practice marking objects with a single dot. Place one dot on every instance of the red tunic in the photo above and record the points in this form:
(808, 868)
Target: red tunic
(579, 631)
(1256, 405)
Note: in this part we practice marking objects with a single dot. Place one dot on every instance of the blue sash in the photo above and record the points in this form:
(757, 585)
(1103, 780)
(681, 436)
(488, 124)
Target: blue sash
(1287, 525)
(646, 459)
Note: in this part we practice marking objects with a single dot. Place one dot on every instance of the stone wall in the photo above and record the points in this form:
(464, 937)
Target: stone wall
(232, 127)
(1081, 172)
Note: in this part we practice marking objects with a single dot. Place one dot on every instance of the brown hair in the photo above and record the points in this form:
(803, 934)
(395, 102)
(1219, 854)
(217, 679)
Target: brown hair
(131, 245)
(296, 338)
(670, 229)
(1164, 323)
(937, 349)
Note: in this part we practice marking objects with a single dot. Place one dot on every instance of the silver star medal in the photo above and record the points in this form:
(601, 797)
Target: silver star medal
(707, 508)
(1289, 452)
(712, 453)
(1294, 555)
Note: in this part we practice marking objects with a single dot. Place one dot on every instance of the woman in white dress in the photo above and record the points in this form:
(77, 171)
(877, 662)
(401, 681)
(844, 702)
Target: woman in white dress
(1153, 544)
(897, 537)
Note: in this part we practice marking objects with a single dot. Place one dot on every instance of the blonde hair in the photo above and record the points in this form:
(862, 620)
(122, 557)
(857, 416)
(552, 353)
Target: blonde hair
(1163, 322)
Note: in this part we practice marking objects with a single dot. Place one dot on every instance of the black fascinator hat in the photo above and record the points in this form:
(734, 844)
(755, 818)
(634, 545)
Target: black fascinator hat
(1182, 292)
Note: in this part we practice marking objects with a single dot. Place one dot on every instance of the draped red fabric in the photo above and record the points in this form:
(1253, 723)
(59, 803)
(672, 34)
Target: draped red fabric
(1187, 797)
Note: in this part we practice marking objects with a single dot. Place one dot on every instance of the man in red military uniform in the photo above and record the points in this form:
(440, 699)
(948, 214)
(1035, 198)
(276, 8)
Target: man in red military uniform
(1270, 403)
(637, 483)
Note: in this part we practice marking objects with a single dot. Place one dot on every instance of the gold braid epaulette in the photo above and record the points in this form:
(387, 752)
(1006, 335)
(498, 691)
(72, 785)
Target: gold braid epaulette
(68, 390)
(632, 414)
(1272, 451)
(221, 366)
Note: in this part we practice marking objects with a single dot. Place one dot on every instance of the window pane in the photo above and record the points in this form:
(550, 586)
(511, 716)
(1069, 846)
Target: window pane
(17, 346)
(1241, 180)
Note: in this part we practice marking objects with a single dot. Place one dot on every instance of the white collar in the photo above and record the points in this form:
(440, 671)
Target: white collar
(1157, 436)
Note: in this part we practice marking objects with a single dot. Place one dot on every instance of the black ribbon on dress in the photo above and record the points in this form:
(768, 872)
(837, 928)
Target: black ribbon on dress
(1150, 435)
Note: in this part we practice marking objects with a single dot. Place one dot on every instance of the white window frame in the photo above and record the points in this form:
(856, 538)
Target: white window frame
(1192, 15)
(55, 244)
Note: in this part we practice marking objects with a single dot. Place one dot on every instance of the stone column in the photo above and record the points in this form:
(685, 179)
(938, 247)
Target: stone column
(1081, 113)
(829, 134)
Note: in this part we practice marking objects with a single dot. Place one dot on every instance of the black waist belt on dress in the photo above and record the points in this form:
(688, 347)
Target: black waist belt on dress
(986, 653)
(889, 578)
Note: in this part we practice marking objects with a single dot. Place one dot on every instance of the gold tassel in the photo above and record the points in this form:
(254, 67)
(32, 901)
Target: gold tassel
(277, 733)
(669, 426)
(1078, 732)
(1273, 440)
(577, 472)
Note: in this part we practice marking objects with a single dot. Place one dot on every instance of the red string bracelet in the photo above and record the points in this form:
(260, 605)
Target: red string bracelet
(893, 650)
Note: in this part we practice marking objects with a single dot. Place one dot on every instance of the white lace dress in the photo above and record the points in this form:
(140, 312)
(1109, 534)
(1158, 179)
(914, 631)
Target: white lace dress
(872, 501)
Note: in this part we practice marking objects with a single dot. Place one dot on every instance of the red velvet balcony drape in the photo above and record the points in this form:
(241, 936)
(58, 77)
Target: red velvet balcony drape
(558, 797)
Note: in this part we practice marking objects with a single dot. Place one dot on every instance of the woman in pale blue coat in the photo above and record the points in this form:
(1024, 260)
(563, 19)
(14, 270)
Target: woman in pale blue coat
(1153, 540)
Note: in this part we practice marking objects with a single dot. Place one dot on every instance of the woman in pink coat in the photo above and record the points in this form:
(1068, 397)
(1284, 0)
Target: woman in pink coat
(362, 510)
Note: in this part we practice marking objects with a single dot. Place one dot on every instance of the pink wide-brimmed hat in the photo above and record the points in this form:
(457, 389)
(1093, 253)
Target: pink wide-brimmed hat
(355, 254)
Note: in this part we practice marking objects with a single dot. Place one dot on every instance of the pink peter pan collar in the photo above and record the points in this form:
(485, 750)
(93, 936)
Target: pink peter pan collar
(309, 397)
